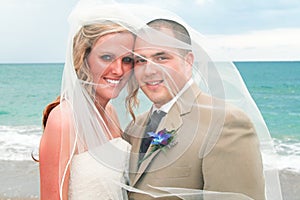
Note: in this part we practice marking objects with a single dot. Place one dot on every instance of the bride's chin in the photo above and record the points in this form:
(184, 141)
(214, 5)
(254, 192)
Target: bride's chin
(115, 94)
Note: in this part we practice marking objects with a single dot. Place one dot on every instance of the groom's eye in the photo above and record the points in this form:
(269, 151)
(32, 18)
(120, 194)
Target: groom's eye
(140, 61)
(160, 58)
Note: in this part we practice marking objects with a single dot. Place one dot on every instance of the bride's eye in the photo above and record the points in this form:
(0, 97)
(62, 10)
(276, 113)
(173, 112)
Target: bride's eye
(127, 60)
(106, 57)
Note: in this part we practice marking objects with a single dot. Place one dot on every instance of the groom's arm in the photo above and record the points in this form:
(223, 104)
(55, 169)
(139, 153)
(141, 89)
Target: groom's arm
(235, 163)
(125, 135)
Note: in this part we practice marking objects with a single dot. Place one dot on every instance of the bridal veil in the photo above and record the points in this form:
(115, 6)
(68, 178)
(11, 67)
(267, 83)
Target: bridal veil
(212, 72)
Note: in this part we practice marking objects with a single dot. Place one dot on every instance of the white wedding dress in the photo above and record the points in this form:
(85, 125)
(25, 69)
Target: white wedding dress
(93, 179)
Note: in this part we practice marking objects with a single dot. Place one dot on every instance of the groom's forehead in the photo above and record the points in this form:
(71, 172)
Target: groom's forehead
(146, 49)
(141, 44)
(150, 37)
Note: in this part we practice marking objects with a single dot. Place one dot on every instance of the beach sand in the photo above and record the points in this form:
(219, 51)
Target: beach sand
(290, 185)
(19, 180)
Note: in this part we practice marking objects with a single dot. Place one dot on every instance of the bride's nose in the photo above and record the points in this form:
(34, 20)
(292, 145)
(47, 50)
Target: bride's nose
(117, 67)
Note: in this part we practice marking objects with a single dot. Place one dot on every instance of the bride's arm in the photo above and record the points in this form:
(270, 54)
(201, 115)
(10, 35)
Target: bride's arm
(52, 156)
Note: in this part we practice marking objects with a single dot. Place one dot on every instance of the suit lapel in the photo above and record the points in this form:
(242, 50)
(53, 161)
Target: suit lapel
(172, 121)
(139, 129)
(143, 166)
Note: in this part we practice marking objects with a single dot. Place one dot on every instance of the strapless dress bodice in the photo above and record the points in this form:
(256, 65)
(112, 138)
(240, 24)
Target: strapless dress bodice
(92, 177)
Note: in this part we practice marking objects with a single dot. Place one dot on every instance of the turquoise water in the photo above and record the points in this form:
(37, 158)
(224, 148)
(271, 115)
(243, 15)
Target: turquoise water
(25, 89)
(275, 87)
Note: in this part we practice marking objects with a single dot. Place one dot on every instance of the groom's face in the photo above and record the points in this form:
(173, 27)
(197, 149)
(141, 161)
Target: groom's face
(160, 71)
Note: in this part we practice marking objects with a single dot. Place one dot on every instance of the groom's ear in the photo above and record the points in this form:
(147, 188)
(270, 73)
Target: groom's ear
(189, 60)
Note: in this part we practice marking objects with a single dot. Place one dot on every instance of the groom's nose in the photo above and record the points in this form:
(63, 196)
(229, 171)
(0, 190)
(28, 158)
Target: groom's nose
(151, 68)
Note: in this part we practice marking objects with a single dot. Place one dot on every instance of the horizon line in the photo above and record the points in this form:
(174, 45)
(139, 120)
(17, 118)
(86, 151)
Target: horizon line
(234, 61)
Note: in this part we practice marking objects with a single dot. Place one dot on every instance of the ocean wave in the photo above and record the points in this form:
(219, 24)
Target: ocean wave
(17, 142)
(287, 155)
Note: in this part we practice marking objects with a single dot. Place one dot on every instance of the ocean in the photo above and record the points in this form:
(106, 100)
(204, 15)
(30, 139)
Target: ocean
(25, 89)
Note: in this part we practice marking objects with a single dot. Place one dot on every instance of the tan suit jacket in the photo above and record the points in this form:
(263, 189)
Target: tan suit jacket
(216, 149)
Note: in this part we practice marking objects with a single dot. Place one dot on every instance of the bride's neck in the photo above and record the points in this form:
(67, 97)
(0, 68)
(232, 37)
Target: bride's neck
(109, 120)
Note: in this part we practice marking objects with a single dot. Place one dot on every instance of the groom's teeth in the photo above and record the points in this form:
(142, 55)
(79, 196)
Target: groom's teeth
(113, 81)
(154, 83)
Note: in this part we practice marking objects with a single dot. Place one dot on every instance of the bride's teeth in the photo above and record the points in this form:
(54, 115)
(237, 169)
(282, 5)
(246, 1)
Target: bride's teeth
(154, 83)
(113, 81)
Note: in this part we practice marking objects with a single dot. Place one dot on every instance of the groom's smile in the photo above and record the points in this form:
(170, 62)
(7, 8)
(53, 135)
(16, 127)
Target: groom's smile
(153, 85)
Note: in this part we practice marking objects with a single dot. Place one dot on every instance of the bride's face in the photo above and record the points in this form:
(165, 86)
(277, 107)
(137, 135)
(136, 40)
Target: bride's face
(110, 62)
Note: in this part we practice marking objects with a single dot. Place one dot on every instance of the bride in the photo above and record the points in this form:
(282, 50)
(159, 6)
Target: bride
(82, 155)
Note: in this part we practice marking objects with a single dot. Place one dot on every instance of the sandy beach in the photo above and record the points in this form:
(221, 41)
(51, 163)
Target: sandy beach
(290, 185)
(20, 181)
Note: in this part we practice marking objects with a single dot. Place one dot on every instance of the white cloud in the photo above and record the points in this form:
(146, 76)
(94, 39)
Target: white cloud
(276, 44)
(202, 2)
(36, 31)
(167, 4)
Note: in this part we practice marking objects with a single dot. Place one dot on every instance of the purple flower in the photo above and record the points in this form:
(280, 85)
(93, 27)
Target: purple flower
(162, 138)
(159, 141)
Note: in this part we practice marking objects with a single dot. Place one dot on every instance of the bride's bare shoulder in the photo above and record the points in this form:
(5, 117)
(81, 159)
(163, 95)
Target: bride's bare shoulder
(58, 118)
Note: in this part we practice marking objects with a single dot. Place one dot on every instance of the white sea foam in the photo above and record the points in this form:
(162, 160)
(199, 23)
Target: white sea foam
(17, 142)
(288, 154)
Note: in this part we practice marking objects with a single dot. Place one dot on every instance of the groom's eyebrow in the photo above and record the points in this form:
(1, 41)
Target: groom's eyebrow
(158, 54)
(151, 56)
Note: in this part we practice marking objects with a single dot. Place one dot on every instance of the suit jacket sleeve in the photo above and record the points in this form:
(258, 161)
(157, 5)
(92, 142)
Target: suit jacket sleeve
(235, 164)
(125, 134)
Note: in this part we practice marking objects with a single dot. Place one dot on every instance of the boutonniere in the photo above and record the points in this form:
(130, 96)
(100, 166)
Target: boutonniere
(160, 140)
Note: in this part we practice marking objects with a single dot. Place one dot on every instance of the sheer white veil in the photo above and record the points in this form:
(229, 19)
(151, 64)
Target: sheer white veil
(84, 129)
(212, 72)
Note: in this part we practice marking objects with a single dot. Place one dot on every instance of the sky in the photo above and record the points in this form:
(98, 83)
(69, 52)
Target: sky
(35, 31)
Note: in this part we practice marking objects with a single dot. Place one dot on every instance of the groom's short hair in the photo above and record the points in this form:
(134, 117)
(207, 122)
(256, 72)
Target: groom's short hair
(179, 31)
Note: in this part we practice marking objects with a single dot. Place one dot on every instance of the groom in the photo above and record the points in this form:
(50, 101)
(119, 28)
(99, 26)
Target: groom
(209, 145)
